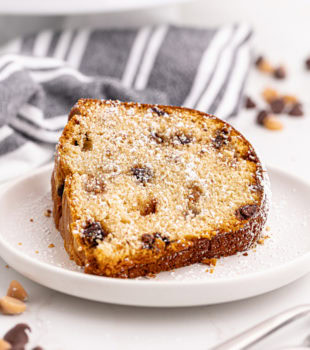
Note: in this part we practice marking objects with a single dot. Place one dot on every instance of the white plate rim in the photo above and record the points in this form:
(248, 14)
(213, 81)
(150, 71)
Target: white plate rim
(92, 7)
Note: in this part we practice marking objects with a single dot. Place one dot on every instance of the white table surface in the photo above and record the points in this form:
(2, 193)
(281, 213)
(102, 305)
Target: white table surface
(61, 322)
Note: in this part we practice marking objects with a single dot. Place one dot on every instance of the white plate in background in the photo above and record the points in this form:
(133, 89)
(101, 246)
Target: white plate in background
(77, 7)
(283, 258)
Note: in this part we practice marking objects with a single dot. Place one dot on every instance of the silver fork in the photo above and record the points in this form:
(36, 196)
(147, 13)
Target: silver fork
(264, 329)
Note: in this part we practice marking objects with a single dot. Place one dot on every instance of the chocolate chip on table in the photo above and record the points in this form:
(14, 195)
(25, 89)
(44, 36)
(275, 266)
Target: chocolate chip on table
(307, 63)
(93, 233)
(147, 241)
(142, 174)
(277, 105)
(279, 72)
(296, 110)
(17, 336)
(249, 103)
(247, 211)
(38, 348)
(261, 116)
(158, 111)
(259, 60)
(269, 121)
(60, 190)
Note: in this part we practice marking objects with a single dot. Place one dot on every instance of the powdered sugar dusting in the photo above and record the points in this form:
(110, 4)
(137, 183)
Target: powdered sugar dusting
(289, 224)
(197, 170)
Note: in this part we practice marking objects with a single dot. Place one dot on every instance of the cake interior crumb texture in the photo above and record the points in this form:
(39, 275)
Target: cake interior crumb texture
(139, 180)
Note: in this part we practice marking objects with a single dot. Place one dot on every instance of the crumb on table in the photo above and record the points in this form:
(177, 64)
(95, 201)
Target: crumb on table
(262, 239)
(48, 213)
(210, 262)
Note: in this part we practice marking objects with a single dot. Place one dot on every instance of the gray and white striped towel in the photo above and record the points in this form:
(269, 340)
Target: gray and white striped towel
(43, 75)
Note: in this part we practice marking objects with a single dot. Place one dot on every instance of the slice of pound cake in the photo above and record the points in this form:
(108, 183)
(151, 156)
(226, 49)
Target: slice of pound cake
(140, 189)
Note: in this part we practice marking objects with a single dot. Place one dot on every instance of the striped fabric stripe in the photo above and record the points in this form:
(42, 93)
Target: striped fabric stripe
(150, 54)
(42, 76)
(135, 56)
(207, 65)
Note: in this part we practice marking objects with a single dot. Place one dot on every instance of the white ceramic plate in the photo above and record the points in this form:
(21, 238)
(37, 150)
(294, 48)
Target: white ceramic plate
(283, 258)
(60, 7)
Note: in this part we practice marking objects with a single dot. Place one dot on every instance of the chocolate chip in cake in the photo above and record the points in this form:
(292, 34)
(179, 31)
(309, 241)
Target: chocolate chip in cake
(193, 211)
(183, 139)
(296, 110)
(147, 241)
(192, 201)
(279, 72)
(93, 233)
(257, 187)
(165, 239)
(221, 139)
(60, 190)
(251, 156)
(142, 174)
(157, 137)
(149, 207)
(261, 116)
(247, 211)
(307, 63)
(17, 336)
(195, 193)
(158, 111)
(249, 103)
(88, 144)
(277, 105)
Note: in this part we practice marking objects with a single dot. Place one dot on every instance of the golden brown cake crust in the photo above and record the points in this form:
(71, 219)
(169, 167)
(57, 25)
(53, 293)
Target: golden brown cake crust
(163, 257)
